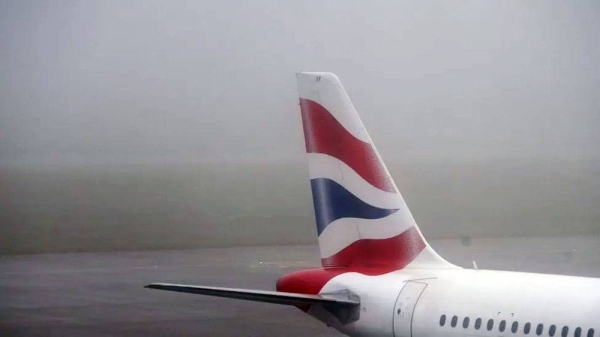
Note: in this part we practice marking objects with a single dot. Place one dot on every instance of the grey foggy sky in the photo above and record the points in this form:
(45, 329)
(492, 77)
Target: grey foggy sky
(110, 80)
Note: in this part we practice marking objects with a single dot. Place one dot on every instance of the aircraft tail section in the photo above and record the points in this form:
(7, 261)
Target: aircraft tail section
(361, 217)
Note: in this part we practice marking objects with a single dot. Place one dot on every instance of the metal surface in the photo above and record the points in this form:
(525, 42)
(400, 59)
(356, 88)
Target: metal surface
(405, 306)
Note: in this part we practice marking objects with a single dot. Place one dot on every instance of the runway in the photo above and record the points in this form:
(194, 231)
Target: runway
(102, 294)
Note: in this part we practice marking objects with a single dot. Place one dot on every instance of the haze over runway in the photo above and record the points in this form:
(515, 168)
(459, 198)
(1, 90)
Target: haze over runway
(151, 124)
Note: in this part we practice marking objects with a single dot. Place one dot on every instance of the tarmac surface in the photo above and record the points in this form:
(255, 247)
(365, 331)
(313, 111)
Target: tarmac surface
(102, 294)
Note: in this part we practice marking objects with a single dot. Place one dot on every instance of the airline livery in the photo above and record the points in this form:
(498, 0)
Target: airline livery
(379, 276)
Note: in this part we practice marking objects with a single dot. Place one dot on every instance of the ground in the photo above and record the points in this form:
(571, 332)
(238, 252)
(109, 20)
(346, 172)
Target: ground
(102, 294)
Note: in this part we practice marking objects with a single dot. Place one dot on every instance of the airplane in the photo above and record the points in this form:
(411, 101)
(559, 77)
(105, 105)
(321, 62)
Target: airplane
(379, 276)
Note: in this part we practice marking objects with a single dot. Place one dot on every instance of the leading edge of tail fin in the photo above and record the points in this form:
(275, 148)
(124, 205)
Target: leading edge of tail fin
(362, 220)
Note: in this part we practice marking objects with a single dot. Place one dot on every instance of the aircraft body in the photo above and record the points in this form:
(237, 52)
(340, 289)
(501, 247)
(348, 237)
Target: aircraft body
(379, 276)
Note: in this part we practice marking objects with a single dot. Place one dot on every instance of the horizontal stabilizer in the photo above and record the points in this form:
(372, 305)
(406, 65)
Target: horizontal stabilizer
(261, 295)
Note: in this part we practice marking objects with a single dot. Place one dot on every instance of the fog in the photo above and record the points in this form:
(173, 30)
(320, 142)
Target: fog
(150, 124)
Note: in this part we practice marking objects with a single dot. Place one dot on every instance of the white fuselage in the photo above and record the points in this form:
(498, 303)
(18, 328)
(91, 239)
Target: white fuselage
(411, 303)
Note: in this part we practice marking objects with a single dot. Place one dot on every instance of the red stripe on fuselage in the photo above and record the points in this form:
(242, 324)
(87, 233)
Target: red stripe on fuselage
(392, 253)
(309, 281)
(324, 134)
(368, 257)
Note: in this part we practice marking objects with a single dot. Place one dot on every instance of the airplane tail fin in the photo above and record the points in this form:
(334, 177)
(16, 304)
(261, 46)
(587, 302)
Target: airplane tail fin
(362, 220)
